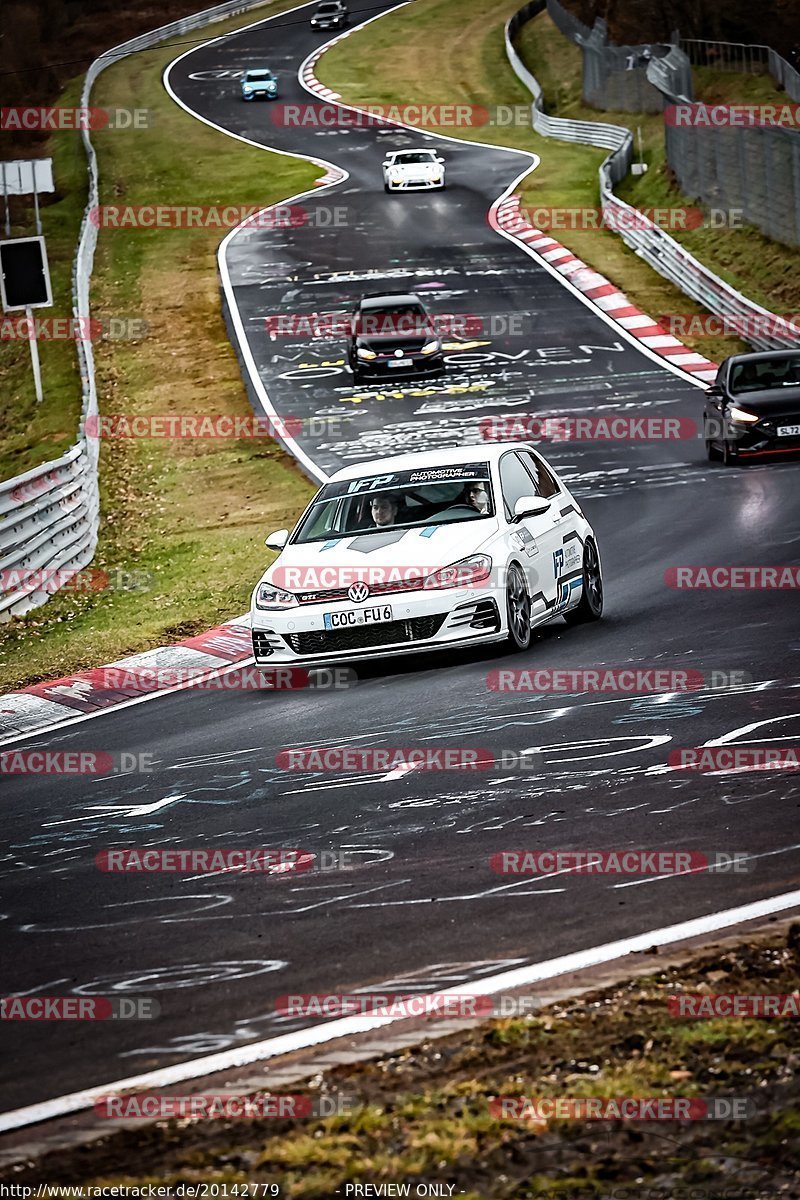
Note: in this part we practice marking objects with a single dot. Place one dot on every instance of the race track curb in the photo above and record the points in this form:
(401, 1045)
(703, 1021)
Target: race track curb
(507, 217)
(43, 705)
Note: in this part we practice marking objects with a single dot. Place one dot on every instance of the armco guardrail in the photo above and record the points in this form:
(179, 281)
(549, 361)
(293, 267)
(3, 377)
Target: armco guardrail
(50, 516)
(763, 329)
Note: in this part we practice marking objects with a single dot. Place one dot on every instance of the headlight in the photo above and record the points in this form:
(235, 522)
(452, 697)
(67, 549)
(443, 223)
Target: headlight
(467, 573)
(395, 177)
(269, 596)
(247, 90)
(431, 347)
(362, 352)
(739, 414)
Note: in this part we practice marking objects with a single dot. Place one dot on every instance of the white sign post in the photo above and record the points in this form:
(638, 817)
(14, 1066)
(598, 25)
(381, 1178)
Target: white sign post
(25, 284)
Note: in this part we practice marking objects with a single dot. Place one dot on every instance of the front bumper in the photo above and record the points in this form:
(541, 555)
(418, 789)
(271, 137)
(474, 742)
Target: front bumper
(262, 94)
(379, 369)
(762, 438)
(420, 621)
(416, 185)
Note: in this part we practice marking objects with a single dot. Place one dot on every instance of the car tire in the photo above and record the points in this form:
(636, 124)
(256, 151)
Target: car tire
(518, 609)
(590, 606)
(730, 455)
(386, 187)
(712, 453)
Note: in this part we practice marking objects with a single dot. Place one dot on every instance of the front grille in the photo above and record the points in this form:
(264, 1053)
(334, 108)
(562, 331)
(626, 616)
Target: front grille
(393, 633)
(375, 589)
(261, 643)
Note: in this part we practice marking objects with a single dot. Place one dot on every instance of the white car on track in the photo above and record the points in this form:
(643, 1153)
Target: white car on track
(423, 551)
(413, 171)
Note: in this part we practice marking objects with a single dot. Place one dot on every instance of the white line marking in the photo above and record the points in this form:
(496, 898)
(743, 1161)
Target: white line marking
(347, 1026)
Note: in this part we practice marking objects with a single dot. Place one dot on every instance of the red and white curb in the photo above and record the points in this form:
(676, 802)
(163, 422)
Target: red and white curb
(86, 693)
(505, 216)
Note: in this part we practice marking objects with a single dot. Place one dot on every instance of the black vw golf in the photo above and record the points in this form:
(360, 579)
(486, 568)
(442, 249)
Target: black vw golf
(753, 408)
(391, 336)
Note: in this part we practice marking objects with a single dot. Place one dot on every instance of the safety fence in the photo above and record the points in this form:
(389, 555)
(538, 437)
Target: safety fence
(50, 516)
(651, 243)
(739, 158)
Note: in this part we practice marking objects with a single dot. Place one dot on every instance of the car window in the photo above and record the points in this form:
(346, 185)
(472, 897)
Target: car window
(416, 499)
(515, 482)
(414, 156)
(756, 376)
(546, 485)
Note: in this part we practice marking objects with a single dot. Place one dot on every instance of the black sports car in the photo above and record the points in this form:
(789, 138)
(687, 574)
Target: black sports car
(753, 408)
(393, 336)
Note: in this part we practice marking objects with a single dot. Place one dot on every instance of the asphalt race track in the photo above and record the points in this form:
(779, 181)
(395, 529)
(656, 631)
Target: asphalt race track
(421, 908)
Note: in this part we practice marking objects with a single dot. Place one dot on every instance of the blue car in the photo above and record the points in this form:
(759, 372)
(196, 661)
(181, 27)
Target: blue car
(259, 82)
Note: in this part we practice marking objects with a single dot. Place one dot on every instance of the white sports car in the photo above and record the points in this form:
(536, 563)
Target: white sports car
(413, 170)
(421, 551)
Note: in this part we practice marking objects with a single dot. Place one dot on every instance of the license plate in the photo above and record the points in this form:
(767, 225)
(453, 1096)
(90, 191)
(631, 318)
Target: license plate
(789, 431)
(401, 362)
(361, 616)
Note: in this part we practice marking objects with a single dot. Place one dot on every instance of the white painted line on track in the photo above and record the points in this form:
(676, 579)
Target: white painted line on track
(318, 1035)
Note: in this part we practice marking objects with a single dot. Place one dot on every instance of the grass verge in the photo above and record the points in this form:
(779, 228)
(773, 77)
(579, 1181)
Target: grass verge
(389, 62)
(188, 516)
(423, 1116)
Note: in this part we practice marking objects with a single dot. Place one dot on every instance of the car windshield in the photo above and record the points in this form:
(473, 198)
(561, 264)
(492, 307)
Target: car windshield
(259, 76)
(768, 374)
(421, 499)
(393, 320)
(326, 9)
(414, 156)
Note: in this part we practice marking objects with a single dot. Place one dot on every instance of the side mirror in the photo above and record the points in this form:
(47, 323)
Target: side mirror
(714, 390)
(531, 506)
(439, 158)
(277, 540)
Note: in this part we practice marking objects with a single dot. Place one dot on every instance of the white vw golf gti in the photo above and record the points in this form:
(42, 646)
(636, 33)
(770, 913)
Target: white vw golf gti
(422, 551)
(413, 171)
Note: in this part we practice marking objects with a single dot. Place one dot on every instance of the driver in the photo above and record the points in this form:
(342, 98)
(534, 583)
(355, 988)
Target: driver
(476, 496)
(384, 509)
